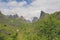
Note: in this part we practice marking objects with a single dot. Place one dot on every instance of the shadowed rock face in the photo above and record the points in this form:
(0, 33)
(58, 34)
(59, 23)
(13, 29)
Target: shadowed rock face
(13, 16)
(42, 14)
(35, 19)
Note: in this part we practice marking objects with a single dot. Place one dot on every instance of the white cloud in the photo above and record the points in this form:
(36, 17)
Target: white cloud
(12, 3)
(47, 5)
(29, 11)
(16, 4)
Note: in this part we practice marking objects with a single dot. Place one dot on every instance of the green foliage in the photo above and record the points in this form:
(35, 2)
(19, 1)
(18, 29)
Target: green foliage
(56, 15)
(46, 28)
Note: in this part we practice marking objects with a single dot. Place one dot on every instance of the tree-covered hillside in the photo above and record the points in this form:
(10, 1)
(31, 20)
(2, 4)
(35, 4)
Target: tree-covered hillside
(47, 27)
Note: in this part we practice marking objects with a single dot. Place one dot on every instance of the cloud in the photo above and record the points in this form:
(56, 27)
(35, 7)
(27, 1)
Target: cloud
(47, 5)
(29, 10)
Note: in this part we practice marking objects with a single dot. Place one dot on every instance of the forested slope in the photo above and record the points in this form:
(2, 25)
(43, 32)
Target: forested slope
(45, 28)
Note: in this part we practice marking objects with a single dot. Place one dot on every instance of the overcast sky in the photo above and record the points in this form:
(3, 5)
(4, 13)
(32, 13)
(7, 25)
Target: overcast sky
(28, 8)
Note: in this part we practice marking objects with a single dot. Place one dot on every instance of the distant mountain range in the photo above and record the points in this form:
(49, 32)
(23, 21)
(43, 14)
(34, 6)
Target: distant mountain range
(42, 15)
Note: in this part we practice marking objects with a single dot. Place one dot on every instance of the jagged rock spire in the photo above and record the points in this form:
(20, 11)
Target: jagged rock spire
(42, 14)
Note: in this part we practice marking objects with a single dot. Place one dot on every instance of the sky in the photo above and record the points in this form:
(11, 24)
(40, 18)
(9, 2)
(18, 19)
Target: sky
(28, 8)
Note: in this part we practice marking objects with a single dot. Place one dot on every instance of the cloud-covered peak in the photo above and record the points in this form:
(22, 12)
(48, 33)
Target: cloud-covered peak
(28, 8)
